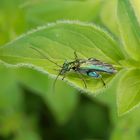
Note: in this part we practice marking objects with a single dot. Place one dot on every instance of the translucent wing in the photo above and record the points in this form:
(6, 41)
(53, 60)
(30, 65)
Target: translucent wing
(93, 64)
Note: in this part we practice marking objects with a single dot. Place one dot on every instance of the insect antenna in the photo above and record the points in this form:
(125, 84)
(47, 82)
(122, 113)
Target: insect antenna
(53, 87)
(39, 51)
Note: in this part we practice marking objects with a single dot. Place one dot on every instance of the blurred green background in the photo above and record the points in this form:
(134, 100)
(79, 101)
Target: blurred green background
(28, 109)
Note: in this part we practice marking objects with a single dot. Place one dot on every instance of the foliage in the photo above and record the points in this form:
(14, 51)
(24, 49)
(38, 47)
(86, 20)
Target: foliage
(58, 28)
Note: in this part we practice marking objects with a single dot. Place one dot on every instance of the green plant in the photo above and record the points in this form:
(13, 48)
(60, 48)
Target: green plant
(118, 44)
(89, 41)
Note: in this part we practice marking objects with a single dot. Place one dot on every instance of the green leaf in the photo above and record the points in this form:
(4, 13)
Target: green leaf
(59, 41)
(128, 93)
(109, 17)
(127, 127)
(12, 20)
(28, 128)
(11, 102)
(8, 83)
(136, 4)
(61, 104)
(50, 11)
(129, 28)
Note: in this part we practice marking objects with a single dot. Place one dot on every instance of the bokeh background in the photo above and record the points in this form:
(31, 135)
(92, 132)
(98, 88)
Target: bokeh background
(28, 109)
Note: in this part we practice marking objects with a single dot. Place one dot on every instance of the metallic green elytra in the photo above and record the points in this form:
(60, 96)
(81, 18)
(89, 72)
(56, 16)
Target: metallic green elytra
(90, 67)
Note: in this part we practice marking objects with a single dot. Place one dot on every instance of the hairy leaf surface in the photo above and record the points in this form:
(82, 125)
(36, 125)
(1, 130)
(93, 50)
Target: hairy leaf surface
(58, 41)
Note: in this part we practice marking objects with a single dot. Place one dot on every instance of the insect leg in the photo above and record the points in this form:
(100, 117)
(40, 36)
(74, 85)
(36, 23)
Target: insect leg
(63, 77)
(96, 75)
(103, 81)
(81, 77)
(75, 54)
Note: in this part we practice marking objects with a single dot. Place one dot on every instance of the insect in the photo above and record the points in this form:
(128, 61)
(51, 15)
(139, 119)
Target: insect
(91, 67)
